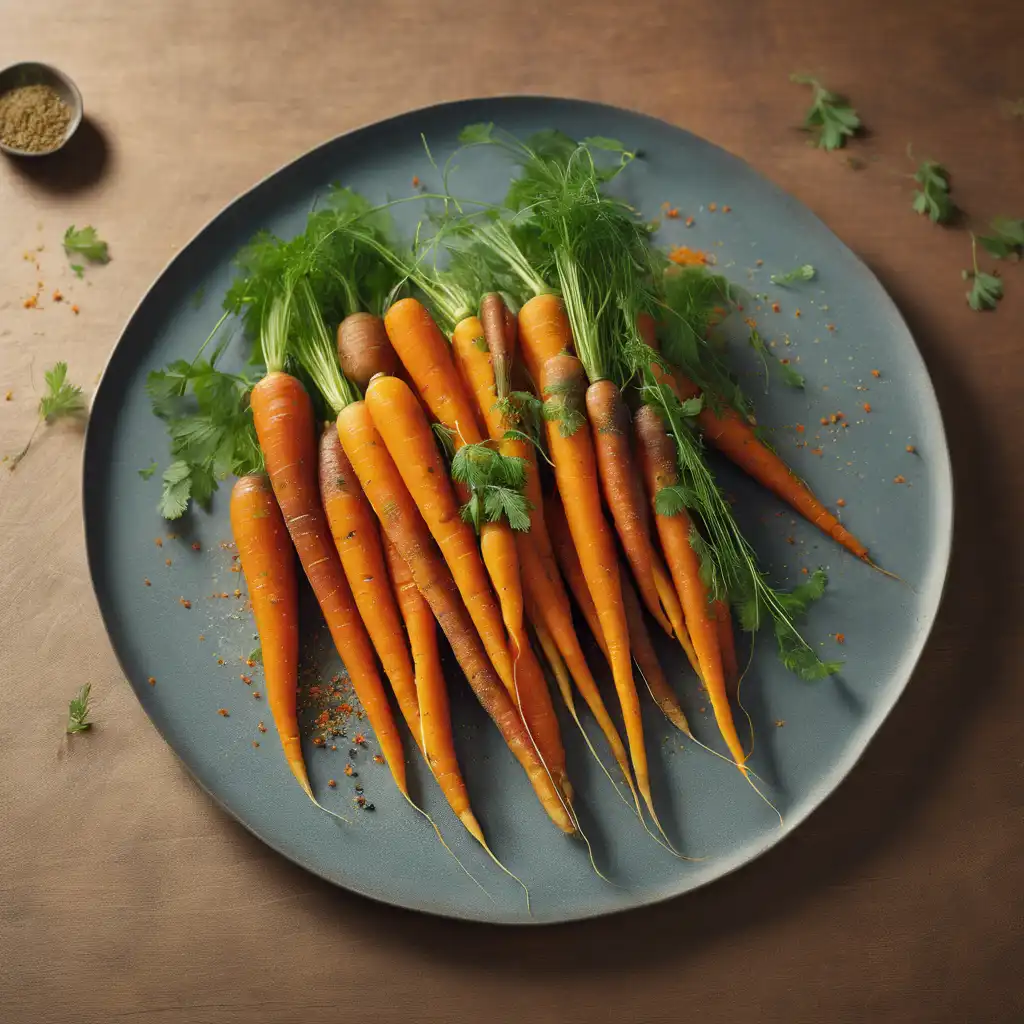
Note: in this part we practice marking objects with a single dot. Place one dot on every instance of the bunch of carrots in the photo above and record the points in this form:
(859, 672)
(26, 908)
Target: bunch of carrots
(481, 447)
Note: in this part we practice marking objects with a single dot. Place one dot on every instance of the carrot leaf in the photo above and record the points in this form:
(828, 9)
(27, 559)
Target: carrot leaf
(496, 482)
(672, 500)
(932, 199)
(78, 711)
(1006, 240)
(771, 364)
(802, 273)
(86, 242)
(829, 115)
(986, 289)
(62, 398)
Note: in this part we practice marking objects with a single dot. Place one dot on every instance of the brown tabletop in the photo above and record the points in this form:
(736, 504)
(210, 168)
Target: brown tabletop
(128, 895)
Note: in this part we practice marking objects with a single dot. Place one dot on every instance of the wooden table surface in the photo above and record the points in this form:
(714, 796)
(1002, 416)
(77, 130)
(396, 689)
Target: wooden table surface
(127, 895)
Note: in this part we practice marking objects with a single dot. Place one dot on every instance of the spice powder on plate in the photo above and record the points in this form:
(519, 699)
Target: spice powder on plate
(33, 118)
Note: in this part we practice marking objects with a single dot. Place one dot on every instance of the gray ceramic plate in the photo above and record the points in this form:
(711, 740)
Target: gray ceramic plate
(391, 854)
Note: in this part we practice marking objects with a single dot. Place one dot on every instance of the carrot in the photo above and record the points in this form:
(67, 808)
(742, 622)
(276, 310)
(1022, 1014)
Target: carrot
(658, 458)
(545, 594)
(357, 539)
(543, 332)
(640, 639)
(404, 526)
(364, 349)
(438, 741)
(283, 418)
(726, 644)
(734, 437)
(623, 488)
(268, 562)
(572, 451)
(403, 428)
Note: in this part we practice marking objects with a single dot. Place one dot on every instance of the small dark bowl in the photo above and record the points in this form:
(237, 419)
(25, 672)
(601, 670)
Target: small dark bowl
(34, 73)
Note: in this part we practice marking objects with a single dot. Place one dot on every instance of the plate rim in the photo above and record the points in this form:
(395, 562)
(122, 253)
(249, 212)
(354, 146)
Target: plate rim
(827, 784)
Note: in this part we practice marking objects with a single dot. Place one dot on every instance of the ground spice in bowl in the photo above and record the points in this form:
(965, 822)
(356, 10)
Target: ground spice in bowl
(33, 118)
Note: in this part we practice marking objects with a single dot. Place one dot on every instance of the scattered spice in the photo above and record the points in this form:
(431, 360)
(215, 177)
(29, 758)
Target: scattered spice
(57, 297)
(841, 502)
(779, 723)
(672, 213)
(245, 679)
(800, 428)
(360, 739)
(867, 407)
(261, 727)
(415, 181)
(911, 449)
(158, 541)
(776, 308)
(726, 209)
(332, 783)
(824, 421)
(350, 771)
(830, 327)
(712, 207)
(876, 373)
(758, 263)
(8, 396)
(840, 638)
(75, 310)
(223, 712)
(816, 451)
(146, 582)
(684, 256)
(256, 695)
(901, 479)
(196, 546)
(184, 602)
(379, 758)
(168, 562)
(255, 743)
(797, 313)
(151, 680)
(689, 222)
(33, 118)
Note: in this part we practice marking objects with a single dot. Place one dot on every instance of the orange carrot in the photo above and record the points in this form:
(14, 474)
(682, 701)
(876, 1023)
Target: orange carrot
(268, 562)
(357, 539)
(727, 645)
(658, 457)
(543, 332)
(283, 417)
(404, 526)
(400, 421)
(364, 349)
(438, 741)
(623, 489)
(572, 451)
(734, 437)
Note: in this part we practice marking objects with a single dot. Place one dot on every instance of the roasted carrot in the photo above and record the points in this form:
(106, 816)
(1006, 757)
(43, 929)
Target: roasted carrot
(283, 417)
(357, 539)
(734, 437)
(400, 421)
(545, 595)
(438, 741)
(268, 562)
(658, 457)
(404, 526)
(572, 451)
(623, 488)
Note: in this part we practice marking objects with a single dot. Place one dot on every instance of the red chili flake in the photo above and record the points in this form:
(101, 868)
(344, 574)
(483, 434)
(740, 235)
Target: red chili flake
(830, 327)
(712, 207)
(840, 416)
(75, 310)
(415, 181)
(246, 679)
(911, 449)
(776, 307)
(223, 712)
(689, 222)
(184, 602)
(800, 428)
(319, 741)
(360, 739)
(255, 743)
(261, 727)
(146, 582)
(331, 783)
(784, 362)
(167, 562)
(220, 661)
(840, 638)
(726, 209)
(841, 502)
(345, 708)
(804, 571)
(57, 297)
(797, 313)
(750, 322)
(672, 213)
(250, 663)
(779, 723)
(816, 451)
(31, 302)
(196, 546)
(379, 758)
(876, 373)
(151, 680)
(758, 263)
(360, 801)
(790, 540)
(867, 407)
(158, 541)
(334, 746)
(824, 421)
(901, 479)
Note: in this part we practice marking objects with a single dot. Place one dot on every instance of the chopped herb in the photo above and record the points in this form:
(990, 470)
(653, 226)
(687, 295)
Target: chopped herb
(986, 289)
(256, 655)
(1007, 238)
(788, 374)
(85, 242)
(804, 273)
(149, 470)
(833, 118)
(78, 711)
(78, 269)
(932, 199)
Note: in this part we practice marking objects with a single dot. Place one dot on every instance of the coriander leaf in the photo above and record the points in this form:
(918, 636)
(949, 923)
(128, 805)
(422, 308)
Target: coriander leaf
(506, 503)
(833, 118)
(784, 369)
(149, 470)
(476, 134)
(602, 142)
(85, 242)
(61, 398)
(256, 654)
(78, 711)
(804, 273)
(1007, 238)
(800, 598)
(932, 199)
(78, 269)
(986, 289)
(691, 407)
(177, 490)
(672, 500)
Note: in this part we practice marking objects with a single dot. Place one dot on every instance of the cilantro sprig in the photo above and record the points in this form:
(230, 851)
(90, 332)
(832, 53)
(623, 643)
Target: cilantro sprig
(1007, 238)
(61, 400)
(78, 711)
(932, 198)
(830, 115)
(986, 289)
(86, 242)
